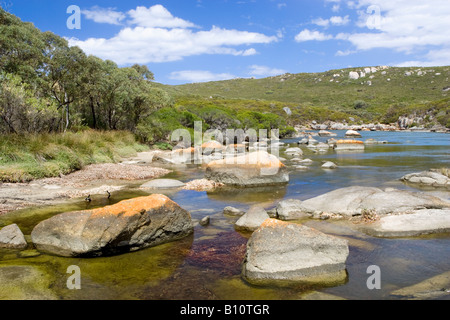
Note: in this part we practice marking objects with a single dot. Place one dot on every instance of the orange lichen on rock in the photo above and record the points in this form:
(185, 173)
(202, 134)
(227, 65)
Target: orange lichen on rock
(236, 146)
(253, 160)
(212, 145)
(271, 223)
(190, 150)
(349, 142)
(133, 206)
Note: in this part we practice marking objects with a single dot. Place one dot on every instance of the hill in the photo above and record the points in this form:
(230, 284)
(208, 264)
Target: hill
(367, 91)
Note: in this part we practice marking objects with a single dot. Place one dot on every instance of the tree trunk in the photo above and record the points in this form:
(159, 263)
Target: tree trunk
(94, 119)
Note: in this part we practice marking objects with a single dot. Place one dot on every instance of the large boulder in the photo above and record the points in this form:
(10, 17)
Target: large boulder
(427, 178)
(355, 200)
(126, 226)
(11, 237)
(348, 145)
(253, 169)
(281, 251)
(163, 184)
(323, 133)
(426, 221)
(353, 133)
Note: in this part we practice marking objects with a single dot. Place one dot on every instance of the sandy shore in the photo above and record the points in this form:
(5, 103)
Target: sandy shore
(93, 179)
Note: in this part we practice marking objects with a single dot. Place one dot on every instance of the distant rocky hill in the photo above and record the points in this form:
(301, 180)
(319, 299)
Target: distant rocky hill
(407, 97)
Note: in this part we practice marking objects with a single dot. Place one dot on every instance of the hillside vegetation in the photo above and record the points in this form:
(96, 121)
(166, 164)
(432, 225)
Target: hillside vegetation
(371, 97)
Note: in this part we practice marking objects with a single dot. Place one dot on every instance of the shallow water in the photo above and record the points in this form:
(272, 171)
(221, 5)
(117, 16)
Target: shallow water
(207, 265)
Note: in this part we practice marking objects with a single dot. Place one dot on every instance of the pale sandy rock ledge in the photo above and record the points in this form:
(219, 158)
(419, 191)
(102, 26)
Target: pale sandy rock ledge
(427, 178)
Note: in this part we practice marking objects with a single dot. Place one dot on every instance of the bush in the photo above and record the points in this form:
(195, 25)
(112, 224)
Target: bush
(27, 157)
(360, 104)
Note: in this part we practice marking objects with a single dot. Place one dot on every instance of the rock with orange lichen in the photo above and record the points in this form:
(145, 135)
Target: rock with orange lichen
(348, 145)
(280, 252)
(126, 226)
(212, 147)
(250, 170)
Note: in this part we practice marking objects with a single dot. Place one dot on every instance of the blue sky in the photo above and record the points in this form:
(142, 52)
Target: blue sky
(204, 40)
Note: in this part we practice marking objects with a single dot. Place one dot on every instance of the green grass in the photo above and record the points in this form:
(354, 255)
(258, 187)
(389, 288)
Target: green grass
(27, 157)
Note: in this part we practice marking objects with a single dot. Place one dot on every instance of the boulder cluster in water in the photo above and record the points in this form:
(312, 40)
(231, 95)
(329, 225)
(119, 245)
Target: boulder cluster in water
(279, 247)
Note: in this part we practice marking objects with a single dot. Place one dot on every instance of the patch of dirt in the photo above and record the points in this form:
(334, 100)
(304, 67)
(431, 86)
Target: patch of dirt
(93, 179)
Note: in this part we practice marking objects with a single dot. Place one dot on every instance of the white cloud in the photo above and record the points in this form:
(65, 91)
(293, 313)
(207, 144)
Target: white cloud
(161, 37)
(431, 59)
(404, 25)
(104, 15)
(339, 21)
(199, 76)
(336, 8)
(308, 35)
(340, 53)
(264, 71)
(157, 17)
(335, 21)
(321, 22)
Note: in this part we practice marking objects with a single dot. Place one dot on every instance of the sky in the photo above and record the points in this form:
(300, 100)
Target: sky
(189, 41)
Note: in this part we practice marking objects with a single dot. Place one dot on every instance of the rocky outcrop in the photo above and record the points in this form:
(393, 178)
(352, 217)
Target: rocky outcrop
(346, 145)
(163, 184)
(426, 221)
(254, 169)
(126, 226)
(323, 133)
(11, 237)
(353, 201)
(427, 178)
(353, 133)
(281, 252)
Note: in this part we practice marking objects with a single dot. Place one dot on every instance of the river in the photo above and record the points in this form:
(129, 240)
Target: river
(207, 265)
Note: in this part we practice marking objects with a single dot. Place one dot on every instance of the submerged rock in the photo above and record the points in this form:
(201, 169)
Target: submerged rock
(231, 211)
(163, 184)
(282, 252)
(435, 288)
(20, 282)
(11, 237)
(205, 221)
(254, 169)
(126, 226)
